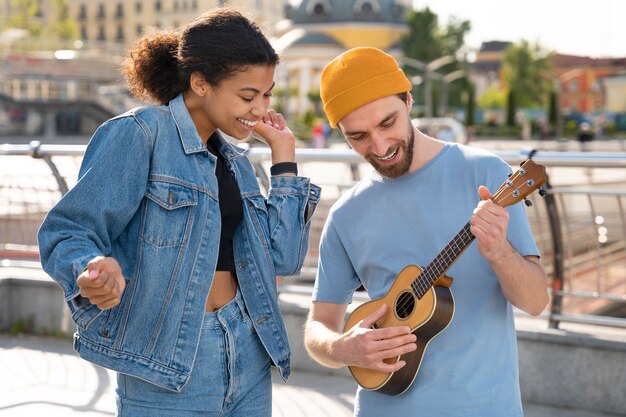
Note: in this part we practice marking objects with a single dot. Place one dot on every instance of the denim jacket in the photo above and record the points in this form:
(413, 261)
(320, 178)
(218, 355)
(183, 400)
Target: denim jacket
(147, 195)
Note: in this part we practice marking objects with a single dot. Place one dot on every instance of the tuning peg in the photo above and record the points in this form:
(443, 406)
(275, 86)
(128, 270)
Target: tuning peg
(509, 174)
(542, 192)
(528, 203)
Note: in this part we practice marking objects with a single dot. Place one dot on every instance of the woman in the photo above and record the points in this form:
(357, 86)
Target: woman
(166, 250)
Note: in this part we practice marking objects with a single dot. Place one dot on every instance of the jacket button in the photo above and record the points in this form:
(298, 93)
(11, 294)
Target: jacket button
(261, 320)
(243, 265)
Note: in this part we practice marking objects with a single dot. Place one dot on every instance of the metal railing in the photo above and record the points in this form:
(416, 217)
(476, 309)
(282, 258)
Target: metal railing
(61, 90)
(580, 227)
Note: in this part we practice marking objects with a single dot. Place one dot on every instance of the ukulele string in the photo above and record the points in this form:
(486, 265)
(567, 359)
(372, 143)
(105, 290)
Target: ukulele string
(439, 265)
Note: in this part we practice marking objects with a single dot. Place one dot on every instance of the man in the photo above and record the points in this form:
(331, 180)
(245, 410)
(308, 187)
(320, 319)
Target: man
(422, 192)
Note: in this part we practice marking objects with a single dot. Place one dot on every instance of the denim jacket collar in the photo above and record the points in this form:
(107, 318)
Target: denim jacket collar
(187, 131)
(191, 140)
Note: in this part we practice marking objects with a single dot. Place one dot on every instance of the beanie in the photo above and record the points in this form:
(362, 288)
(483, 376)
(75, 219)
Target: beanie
(357, 77)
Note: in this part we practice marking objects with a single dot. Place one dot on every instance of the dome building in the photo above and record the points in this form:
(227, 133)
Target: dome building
(315, 31)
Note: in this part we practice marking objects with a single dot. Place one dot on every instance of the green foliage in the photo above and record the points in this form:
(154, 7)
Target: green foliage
(316, 100)
(610, 129)
(26, 326)
(453, 36)
(279, 90)
(493, 98)
(570, 128)
(498, 131)
(52, 22)
(23, 15)
(309, 118)
(426, 41)
(22, 326)
(61, 24)
(423, 41)
(301, 125)
(553, 108)
(524, 69)
(435, 100)
(511, 107)
(300, 129)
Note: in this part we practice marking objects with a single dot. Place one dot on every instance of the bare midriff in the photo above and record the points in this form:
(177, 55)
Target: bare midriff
(223, 290)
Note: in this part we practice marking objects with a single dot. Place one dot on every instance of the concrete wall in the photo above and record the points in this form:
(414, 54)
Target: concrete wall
(582, 369)
(35, 305)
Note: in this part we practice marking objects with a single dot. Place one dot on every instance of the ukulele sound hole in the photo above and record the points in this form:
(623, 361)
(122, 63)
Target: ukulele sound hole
(405, 305)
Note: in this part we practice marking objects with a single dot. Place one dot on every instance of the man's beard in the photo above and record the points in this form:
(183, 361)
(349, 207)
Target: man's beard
(401, 167)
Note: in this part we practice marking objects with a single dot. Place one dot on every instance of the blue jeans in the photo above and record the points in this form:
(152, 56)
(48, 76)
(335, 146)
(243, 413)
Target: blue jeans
(231, 375)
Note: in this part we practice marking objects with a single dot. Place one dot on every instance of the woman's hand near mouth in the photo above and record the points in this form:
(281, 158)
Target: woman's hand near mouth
(273, 130)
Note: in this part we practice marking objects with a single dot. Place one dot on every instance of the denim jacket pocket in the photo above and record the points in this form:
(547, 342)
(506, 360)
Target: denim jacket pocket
(167, 212)
(111, 317)
(83, 312)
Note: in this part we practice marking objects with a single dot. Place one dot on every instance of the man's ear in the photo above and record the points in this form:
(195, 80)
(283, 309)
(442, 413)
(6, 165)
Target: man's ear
(198, 84)
(409, 101)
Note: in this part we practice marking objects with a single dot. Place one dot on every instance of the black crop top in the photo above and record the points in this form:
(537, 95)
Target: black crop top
(231, 209)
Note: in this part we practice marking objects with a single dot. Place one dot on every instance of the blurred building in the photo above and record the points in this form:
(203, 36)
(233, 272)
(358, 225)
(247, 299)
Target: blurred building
(124, 21)
(307, 34)
(485, 71)
(615, 87)
(582, 82)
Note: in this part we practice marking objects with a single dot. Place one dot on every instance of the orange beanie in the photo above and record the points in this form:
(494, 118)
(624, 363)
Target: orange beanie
(357, 77)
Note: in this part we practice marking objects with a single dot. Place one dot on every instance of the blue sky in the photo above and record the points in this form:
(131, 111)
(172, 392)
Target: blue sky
(594, 28)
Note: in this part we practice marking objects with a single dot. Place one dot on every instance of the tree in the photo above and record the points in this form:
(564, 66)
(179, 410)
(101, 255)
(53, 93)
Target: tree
(523, 67)
(53, 21)
(61, 24)
(23, 14)
(469, 116)
(511, 106)
(553, 109)
(493, 98)
(423, 41)
(427, 41)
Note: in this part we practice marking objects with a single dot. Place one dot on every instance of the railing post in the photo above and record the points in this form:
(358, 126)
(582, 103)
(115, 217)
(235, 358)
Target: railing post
(261, 175)
(558, 266)
(34, 152)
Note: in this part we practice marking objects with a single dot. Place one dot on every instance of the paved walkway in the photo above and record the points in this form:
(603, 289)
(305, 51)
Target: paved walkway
(44, 377)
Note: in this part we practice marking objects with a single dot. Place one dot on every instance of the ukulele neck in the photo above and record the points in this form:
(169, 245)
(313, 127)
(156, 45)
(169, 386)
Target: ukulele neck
(443, 261)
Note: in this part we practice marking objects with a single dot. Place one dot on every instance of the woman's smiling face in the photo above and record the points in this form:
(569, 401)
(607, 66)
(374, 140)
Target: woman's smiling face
(236, 104)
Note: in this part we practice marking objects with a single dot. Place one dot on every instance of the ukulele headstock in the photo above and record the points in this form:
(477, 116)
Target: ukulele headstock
(528, 178)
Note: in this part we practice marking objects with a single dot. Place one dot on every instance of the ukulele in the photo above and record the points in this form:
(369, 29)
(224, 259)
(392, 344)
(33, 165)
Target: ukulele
(421, 298)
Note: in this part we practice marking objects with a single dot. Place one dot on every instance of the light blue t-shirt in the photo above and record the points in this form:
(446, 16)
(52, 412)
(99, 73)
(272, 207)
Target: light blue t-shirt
(382, 225)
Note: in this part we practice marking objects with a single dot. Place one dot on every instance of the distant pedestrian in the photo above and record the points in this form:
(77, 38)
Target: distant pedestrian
(328, 131)
(543, 129)
(585, 135)
(166, 250)
(317, 136)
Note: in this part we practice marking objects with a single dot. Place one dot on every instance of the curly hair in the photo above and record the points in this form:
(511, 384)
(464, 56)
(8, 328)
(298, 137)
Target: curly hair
(216, 44)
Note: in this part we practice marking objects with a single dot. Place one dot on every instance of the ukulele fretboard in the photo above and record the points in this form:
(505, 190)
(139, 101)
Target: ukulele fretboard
(442, 261)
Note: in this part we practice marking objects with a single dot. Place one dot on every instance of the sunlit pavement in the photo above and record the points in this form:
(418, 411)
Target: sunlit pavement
(44, 377)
